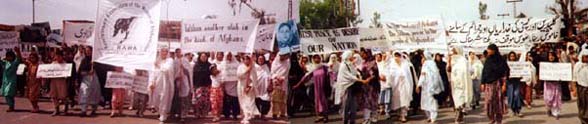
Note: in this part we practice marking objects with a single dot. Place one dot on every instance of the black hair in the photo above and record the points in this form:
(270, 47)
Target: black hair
(10, 53)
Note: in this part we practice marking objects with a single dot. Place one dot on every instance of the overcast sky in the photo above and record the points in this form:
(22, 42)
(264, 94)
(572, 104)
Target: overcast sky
(20, 11)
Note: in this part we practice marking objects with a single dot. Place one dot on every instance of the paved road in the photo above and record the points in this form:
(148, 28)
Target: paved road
(23, 116)
(536, 115)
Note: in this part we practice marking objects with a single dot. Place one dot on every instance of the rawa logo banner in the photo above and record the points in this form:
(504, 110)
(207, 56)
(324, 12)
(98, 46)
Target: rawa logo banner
(78, 32)
(127, 33)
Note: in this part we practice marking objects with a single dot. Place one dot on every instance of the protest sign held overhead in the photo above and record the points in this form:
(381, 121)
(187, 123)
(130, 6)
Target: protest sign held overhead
(227, 35)
(8, 40)
(287, 37)
(329, 40)
(127, 33)
(55, 70)
(414, 31)
(268, 12)
(555, 71)
(78, 32)
(373, 38)
(119, 80)
(508, 34)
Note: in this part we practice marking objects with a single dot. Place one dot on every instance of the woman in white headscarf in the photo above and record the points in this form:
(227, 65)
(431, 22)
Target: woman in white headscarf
(247, 78)
(279, 77)
(333, 67)
(348, 86)
(580, 72)
(461, 82)
(161, 84)
(429, 84)
(382, 60)
(400, 77)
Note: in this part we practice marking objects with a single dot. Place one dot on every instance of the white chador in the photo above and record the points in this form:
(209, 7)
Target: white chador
(162, 78)
(461, 81)
(431, 84)
(400, 77)
(247, 99)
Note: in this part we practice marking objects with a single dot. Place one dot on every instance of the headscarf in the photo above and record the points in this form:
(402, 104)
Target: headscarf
(280, 70)
(495, 66)
(347, 75)
(431, 74)
(581, 68)
(334, 63)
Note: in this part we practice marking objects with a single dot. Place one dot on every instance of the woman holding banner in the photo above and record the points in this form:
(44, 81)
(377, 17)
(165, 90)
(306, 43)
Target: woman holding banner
(552, 92)
(493, 78)
(118, 98)
(58, 86)
(513, 90)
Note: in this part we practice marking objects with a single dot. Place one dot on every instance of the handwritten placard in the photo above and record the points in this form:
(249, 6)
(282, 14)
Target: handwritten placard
(21, 68)
(54, 70)
(519, 69)
(329, 40)
(506, 34)
(140, 84)
(414, 31)
(228, 35)
(119, 80)
(555, 71)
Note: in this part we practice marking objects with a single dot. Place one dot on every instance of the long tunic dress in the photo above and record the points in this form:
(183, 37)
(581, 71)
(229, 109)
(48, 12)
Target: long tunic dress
(163, 80)
(90, 93)
(401, 85)
(9, 80)
(247, 99)
(461, 82)
(431, 84)
(320, 77)
(370, 91)
(33, 83)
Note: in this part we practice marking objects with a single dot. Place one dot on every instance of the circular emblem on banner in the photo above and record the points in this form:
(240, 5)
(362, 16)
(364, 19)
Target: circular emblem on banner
(127, 27)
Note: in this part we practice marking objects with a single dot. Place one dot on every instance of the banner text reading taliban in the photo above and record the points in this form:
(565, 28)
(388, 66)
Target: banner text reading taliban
(126, 33)
(218, 35)
(329, 40)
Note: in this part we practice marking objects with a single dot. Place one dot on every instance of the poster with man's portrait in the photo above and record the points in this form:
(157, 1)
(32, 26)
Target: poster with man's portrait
(287, 37)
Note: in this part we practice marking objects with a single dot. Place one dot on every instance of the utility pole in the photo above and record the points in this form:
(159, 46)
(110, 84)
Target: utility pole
(33, 11)
(514, 6)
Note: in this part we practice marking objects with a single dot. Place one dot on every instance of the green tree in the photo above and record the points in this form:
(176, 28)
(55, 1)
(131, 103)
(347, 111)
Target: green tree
(326, 14)
(376, 20)
(571, 15)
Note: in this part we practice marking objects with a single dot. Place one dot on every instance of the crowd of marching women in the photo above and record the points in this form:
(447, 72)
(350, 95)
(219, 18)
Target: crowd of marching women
(225, 85)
